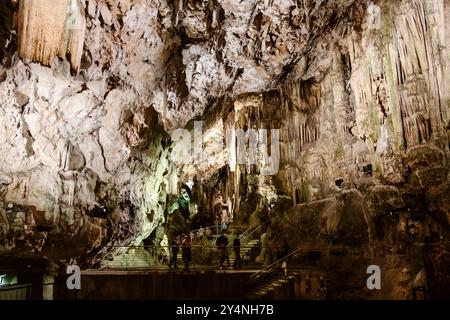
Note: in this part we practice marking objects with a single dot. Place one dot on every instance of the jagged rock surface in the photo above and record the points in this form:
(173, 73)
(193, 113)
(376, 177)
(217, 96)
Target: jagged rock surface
(87, 160)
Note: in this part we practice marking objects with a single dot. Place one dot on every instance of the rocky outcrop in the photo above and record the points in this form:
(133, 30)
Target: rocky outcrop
(92, 91)
(374, 121)
(62, 35)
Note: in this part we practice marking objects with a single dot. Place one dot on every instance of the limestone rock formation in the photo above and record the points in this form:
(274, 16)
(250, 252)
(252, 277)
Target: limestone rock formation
(92, 91)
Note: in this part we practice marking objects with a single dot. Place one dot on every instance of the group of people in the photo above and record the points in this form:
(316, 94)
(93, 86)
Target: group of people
(222, 248)
(200, 233)
(180, 235)
(186, 251)
(185, 243)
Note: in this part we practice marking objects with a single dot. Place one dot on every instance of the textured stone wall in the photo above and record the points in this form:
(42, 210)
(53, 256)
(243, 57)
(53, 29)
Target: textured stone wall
(86, 117)
(364, 148)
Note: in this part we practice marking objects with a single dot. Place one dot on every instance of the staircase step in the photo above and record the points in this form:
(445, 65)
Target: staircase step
(277, 284)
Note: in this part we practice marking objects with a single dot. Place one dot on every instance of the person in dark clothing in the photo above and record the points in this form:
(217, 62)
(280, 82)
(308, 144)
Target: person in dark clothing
(246, 258)
(286, 249)
(222, 244)
(175, 249)
(186, 251)
(237, 252)
(227, 258)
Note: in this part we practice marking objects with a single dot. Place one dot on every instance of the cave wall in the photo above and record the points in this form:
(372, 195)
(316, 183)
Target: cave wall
(86, 122)
(364, 148)
(77, 167)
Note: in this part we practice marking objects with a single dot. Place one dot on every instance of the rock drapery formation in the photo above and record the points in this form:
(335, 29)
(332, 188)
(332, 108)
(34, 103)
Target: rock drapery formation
(91, 90)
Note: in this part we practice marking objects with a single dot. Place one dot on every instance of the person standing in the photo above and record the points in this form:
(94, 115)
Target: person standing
(186, 250)
(175, 249)
(237, 252)
(284, 267)
(247, 258)
(221, 244)
(200, 233)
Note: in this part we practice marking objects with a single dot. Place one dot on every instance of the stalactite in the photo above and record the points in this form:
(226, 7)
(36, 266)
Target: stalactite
(64, 37)
(417, 77)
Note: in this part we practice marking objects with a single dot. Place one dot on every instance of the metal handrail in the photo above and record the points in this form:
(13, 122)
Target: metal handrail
(204, 228)
(246, 231)
(296, 252)
(246, 238)
(215, 226)
(161, 255)
(27, 285)
(430, 244)
(15, 287)
(180, 246)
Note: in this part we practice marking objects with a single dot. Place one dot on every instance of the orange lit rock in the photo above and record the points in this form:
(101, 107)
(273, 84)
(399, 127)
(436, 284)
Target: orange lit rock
(49, 29)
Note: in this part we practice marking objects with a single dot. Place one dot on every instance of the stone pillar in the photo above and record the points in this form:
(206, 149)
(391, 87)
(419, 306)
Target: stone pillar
(47, 287)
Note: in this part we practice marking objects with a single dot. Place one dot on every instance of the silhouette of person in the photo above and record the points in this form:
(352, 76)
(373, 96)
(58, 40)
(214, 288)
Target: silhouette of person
(237, 252)
(221, 244)
(186, 250)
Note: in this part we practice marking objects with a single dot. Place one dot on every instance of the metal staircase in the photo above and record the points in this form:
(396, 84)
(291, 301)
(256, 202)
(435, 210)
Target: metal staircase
(206, 246)
(249, 240)
(272, 282)
(134, 256)
(204, 251)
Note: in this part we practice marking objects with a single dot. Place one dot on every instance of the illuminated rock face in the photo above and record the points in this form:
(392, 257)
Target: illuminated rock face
(44, 36)
(91, 90)
(77, 156)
